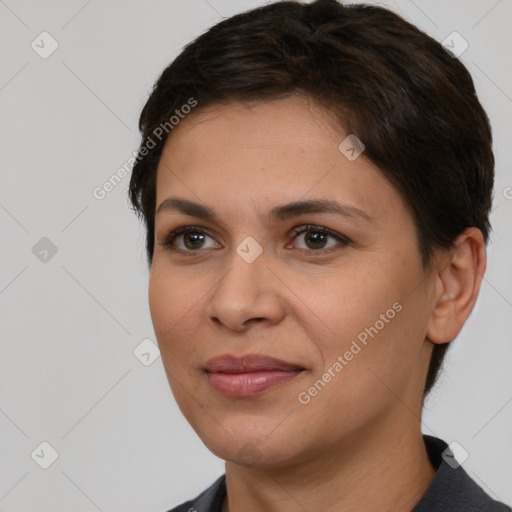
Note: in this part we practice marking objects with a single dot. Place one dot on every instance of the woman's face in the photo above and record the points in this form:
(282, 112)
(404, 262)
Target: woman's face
(346, 308)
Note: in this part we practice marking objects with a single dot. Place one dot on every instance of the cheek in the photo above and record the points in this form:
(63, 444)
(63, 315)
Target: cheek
(172, 303)
(162, 297)
(350, 303)
(371, 321)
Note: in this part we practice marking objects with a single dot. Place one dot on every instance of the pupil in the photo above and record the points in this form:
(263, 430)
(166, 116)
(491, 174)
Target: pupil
(193, 240)
(317, 240)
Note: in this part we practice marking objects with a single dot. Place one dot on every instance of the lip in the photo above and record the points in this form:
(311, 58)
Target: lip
(248, 375)
(227, 363)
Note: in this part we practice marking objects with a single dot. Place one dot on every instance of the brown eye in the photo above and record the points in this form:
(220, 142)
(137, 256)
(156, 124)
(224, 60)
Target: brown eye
(189, 239)
(318, 238)
(193, 240)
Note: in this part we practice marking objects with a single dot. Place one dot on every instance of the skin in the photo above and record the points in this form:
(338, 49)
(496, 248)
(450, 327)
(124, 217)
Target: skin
(357, 444)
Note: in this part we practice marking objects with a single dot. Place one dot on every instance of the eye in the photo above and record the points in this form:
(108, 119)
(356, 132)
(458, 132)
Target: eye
(317, 238)
(313, 238)
(189, 239)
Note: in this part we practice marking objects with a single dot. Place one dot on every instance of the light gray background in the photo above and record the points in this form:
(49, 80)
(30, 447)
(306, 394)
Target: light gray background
(69, 326)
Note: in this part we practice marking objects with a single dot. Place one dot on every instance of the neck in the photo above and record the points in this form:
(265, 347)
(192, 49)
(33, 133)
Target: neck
(385, 468)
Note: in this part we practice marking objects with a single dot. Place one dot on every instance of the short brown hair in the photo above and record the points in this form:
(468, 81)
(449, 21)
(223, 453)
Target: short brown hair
(412, 104)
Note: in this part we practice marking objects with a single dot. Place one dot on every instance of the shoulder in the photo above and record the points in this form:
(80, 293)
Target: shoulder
(210, 500)
(452, 489)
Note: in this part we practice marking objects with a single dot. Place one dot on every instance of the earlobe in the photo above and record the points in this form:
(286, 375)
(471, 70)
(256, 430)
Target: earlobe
(458, 280)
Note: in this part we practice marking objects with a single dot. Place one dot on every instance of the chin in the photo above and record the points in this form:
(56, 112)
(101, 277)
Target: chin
(248, 443)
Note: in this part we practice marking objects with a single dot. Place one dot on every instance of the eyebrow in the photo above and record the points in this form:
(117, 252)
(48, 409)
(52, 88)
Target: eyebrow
(278, 213)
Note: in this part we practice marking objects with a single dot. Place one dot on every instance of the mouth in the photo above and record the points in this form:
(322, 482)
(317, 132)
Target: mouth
(249, 375)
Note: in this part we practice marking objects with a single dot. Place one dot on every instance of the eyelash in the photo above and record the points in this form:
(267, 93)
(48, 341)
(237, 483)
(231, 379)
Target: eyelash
(168, 242)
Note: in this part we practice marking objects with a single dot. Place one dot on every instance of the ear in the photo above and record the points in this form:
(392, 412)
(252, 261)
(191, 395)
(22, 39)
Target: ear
(459, 275)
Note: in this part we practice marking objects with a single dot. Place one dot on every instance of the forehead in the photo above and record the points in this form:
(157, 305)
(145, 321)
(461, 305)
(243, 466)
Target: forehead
(269, 152)
(294, 125)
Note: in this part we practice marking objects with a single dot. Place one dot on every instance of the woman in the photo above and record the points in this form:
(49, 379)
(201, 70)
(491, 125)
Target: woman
(315, 182)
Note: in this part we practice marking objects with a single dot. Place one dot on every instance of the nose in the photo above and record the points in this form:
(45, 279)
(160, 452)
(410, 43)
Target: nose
(248, 294)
